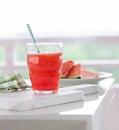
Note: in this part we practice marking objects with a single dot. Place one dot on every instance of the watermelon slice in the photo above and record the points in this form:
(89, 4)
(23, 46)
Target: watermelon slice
(75, 71)
(71, 70)
(88, 74)
(66, 66)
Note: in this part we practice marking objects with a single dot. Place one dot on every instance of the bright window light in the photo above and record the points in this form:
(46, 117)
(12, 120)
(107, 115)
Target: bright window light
(59, 17)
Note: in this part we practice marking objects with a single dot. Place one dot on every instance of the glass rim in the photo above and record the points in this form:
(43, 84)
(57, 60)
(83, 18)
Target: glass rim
(45, 43)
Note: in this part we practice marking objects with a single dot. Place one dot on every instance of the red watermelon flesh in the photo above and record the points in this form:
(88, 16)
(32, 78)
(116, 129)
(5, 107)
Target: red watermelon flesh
(75, 71)
(88, 74)
(66, 66)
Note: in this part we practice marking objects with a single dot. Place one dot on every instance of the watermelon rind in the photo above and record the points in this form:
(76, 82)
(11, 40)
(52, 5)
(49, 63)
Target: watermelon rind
(74, 77)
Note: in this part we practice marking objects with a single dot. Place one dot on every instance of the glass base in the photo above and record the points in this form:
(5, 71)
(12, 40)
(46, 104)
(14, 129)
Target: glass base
(44, 92)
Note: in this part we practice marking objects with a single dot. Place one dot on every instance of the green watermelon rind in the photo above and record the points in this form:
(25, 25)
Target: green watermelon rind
(71, 77)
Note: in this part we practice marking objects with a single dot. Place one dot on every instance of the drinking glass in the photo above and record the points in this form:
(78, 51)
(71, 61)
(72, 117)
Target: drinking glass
(44, 62)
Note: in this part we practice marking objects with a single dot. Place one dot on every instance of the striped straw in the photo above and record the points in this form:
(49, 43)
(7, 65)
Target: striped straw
(32, 36)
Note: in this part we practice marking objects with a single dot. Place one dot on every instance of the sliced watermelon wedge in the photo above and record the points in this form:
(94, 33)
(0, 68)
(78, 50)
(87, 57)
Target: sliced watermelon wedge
(75, 71)
(71, 70)
(66, 66)
(88, 74)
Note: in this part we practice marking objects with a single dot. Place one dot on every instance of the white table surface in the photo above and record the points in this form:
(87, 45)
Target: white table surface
(90, 114)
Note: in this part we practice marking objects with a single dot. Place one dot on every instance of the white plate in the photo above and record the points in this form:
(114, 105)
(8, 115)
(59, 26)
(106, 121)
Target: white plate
(70, 82)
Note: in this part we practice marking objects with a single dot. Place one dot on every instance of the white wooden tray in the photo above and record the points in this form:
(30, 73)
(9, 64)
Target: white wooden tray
(26, 100)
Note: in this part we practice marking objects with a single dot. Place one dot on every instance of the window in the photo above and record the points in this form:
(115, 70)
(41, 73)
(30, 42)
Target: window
(89, 30)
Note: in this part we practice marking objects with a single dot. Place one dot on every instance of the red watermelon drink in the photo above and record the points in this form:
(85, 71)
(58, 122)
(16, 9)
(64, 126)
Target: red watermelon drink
(45, 66)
